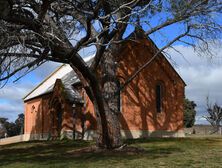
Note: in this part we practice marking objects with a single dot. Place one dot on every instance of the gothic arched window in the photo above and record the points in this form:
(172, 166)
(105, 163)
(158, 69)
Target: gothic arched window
(33, 109)
(159, 97)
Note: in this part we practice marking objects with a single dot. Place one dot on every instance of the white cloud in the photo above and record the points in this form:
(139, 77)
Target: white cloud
(11, 103)
(10, 109)
(202, 76)
(15, 91)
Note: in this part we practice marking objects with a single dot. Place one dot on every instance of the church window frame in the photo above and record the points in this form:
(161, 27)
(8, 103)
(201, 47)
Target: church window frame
(159, 96)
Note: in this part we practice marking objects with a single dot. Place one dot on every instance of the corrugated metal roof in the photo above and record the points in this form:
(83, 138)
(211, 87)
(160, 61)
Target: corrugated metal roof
(68, 80)
(64, 72)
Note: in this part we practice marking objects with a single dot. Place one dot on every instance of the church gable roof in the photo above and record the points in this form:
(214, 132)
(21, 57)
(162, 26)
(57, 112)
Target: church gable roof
(64, 72)
(69, 77)
(71, 94)
(140, 34)
(64, 92)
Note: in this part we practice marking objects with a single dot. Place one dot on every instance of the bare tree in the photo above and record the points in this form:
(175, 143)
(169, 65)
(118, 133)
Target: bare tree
(35, 31)
(214, 115)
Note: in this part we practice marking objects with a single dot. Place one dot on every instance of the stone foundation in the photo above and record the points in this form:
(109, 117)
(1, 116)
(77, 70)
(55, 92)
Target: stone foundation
(134, 134)
(126, 134)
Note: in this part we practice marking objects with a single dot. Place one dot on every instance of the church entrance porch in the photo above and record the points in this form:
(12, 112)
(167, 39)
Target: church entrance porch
(56, 121)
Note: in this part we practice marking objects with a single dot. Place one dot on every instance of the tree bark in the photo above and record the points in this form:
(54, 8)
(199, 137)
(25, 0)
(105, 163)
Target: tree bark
(92, 87)
(5, 8)
(102, 88)
(111, 97)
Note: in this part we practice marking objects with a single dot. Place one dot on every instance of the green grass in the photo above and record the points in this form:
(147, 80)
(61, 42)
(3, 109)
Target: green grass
(189, 152)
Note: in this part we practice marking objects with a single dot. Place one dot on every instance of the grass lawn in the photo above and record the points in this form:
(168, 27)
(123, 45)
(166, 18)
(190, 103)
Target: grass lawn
(189, 152)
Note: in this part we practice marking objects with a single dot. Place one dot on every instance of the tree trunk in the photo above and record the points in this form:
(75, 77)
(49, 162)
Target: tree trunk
(4, 8)
(111, 98)
(103, 92)
(92, 87)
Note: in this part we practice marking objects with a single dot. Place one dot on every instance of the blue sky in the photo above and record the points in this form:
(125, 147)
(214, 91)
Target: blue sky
(11, 103)
(202, 76)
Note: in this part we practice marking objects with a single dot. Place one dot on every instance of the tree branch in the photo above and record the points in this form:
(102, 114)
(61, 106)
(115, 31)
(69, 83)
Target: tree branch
(151, 60)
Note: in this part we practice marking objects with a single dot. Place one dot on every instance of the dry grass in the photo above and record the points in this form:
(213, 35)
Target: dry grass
(189, 152)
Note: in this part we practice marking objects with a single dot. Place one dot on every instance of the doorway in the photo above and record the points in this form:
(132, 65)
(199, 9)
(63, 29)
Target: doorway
(57, 121)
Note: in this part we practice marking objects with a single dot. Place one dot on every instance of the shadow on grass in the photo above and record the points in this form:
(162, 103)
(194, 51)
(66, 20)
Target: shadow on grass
(176, 140)
(77, 152)
(151, 140)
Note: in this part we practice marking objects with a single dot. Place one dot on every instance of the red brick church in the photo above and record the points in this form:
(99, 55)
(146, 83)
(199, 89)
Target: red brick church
(151, 105)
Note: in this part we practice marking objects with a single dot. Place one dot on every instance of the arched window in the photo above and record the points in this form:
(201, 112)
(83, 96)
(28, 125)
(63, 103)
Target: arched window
(33, 109)
(159, 97)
